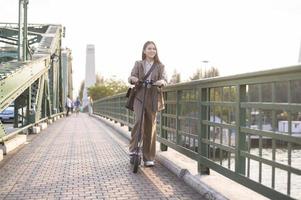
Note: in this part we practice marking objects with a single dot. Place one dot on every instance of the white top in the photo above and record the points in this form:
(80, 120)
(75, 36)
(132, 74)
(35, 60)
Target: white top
(148, 65)
(69, 103)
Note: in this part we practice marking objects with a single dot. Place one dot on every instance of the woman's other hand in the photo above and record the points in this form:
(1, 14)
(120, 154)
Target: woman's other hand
(160, 83)
(134, 80)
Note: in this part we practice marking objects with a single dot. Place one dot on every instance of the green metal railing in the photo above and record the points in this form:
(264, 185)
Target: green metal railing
(244, 126)
(27, 127)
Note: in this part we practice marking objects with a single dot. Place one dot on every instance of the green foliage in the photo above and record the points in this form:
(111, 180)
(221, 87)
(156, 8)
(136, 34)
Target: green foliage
(197, 75)
(99, 80)
(211, 72)
(107, 88)
(200, 73)
(81, 90)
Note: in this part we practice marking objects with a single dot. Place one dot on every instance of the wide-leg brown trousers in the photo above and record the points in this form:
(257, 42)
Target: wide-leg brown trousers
(148, 128)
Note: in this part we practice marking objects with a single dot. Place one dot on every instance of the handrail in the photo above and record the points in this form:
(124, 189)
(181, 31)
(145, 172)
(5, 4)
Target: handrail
(57, 114)
(13, 134)
(219, 122)
(250, 75)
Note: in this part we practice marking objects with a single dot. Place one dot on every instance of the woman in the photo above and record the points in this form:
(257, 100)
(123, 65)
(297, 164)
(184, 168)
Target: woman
(153, 100)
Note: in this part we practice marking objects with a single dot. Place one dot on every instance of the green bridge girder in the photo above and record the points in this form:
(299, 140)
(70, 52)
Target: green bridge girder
(35, 86)
(10, 35)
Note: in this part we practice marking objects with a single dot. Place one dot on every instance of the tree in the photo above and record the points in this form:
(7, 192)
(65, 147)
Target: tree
(99, 81)
(175, 78)
(81, 89)
(211, 72)
(107, 88)
(197, 75)
(200, 73)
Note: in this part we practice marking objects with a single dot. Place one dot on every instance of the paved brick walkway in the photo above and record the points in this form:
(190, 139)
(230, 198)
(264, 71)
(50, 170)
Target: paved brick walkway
(76, 158)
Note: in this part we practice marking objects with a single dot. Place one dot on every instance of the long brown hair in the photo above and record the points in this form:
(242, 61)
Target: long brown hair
(156, 58)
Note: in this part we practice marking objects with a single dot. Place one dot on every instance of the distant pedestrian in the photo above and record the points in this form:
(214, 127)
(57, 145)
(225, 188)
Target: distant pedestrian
(90, 105)
(68, 104)
(77, 105)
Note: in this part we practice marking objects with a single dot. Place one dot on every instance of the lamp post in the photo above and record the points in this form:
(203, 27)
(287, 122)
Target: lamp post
(22, 37)
(205, 63)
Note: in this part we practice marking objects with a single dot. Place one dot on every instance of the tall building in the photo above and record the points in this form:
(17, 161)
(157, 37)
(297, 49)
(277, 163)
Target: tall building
(90, 72)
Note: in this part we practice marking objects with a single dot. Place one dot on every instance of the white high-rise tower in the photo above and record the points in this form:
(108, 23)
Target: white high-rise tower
(90, 72)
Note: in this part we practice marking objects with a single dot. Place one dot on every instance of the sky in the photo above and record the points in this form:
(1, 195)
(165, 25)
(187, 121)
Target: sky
(236, 36)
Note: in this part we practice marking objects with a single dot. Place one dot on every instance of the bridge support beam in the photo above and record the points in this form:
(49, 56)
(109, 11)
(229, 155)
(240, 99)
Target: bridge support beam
(22, 38)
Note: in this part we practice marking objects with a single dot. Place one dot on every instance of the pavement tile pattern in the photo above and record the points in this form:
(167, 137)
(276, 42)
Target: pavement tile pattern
(77, 158)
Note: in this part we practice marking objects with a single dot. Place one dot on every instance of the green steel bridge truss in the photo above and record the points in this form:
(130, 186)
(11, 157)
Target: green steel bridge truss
(35, 87)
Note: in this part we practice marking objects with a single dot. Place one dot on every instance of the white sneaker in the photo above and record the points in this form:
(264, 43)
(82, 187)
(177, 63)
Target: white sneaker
(132, 153)
(149, 163)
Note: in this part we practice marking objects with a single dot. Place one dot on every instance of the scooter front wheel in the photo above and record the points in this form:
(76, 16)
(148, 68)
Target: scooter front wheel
(137, 160)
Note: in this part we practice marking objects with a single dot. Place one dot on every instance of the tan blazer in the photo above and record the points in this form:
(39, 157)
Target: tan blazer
(156, 92)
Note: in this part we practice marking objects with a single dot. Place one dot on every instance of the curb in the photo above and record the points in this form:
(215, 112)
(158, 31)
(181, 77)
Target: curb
(193, 181)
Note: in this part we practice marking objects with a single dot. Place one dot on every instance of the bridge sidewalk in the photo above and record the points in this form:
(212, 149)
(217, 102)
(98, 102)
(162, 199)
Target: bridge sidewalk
(76, 158)
(213, 186)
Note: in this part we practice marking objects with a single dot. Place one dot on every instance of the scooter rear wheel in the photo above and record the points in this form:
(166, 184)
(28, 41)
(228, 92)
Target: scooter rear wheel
(136, 159)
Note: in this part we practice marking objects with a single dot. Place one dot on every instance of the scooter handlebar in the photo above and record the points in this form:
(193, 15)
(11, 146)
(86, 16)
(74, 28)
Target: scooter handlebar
(148, 83)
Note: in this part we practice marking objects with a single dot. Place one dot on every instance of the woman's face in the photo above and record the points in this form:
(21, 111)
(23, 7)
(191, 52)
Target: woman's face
(150, 51)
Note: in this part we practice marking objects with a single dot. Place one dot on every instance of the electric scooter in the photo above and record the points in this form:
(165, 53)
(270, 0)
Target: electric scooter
(136, 157)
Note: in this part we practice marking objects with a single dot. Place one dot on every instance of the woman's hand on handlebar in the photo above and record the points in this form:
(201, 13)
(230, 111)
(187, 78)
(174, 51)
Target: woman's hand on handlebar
(148, 83)
(134, 80)
(159, 83)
